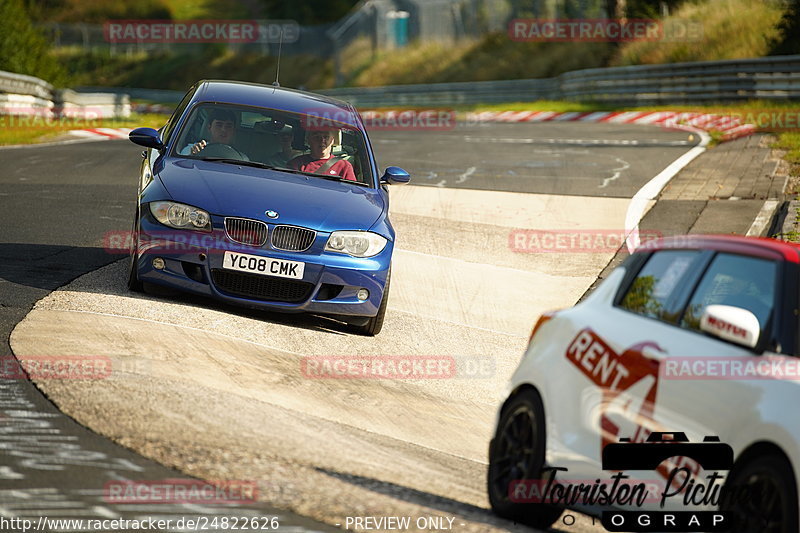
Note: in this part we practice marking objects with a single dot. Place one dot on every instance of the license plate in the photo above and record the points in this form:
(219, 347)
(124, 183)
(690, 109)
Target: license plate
(267, 266)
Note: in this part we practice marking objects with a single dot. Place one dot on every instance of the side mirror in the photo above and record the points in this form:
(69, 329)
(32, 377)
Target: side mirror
(395, 176)
(146, 137)
(732, 324)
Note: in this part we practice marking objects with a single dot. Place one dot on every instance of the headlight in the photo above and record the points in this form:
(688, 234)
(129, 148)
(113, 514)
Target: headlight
(181, 216)
(355, 243)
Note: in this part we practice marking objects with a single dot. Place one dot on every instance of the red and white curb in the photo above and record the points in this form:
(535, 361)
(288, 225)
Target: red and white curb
(102, 133)
(729, 125)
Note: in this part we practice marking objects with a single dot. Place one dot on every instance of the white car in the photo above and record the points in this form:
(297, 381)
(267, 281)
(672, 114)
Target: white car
(691, 338)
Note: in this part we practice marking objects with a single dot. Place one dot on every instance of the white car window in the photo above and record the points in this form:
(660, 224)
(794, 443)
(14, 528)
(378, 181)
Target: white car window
(657, 282)
(737, 280)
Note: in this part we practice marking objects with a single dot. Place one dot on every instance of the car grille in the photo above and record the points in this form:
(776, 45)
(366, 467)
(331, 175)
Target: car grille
(260, 287)
(292, 238)
(246, 231)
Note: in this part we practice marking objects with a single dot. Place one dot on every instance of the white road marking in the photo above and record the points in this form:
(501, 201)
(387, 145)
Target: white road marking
(617, 173)
(653, 188)
(597, 142)
(762, 219)
(465, 176)
(102, 511)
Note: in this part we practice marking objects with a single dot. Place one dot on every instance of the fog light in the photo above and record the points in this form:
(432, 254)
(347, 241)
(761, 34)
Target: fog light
(159, 263)
(362, 294)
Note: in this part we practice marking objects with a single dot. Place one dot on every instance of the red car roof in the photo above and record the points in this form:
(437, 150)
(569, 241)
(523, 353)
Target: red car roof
(756, 246)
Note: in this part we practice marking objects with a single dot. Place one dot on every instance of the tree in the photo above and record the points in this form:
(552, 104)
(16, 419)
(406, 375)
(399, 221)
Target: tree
(789, 40)
(23, 48)
(648, 8)
(96, 11)
(308, 11)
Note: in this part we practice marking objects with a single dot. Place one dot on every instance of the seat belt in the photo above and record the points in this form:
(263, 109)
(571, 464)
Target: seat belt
(328, 165)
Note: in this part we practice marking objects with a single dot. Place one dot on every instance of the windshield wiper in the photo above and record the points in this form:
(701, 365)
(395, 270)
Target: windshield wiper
(279, 169)
(333, 177)
(239, 162)
(313, 175)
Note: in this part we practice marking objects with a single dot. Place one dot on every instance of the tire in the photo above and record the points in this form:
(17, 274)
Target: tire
(134, 284)
(375, 323)
(517, 452)
(767, 502)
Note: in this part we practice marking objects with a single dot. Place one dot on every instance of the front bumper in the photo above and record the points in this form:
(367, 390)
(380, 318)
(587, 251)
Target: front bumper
(193, 262)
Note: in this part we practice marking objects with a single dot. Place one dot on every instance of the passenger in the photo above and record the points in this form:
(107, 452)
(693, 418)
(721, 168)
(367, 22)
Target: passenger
(286, 153)
(321, 160)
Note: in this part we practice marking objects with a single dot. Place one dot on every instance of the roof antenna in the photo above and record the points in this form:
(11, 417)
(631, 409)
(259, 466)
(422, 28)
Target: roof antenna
(278, 66)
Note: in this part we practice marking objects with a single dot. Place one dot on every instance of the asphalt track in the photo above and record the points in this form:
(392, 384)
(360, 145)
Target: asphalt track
(58, 202)
(599, 160)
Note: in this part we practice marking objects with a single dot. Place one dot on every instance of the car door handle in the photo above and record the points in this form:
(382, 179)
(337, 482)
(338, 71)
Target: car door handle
(648, 350)
(144, 153)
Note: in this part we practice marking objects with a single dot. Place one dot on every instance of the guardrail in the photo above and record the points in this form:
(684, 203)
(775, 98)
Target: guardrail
(92, 105)
(771, 78)
(27, 95)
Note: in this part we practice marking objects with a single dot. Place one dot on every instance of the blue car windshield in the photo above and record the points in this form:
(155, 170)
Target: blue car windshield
(301, 143)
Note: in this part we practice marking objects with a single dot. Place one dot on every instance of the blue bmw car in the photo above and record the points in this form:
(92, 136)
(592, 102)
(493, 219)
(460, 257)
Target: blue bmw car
(268, 198)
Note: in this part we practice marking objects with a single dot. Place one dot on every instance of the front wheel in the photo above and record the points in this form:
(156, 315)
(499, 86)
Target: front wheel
(134, 284)
(763, 496)
(517, 453)
(375, 323)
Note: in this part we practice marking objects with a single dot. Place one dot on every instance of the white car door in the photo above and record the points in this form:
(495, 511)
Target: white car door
(663, 332)
(610, 387)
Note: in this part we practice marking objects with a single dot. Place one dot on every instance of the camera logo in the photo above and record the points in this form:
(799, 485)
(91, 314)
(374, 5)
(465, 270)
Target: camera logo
(711, 454)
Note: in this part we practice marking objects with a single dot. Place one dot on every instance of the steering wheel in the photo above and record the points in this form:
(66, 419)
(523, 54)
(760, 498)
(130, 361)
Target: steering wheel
(222, 150)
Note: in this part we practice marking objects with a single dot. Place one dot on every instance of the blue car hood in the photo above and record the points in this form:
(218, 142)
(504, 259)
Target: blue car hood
(230, 190)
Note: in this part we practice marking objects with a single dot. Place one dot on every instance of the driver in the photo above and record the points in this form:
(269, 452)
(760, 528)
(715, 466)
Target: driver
(321, 160)
(222, 128)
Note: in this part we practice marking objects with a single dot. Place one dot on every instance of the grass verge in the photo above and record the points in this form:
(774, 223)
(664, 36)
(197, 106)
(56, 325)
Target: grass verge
(711, 30)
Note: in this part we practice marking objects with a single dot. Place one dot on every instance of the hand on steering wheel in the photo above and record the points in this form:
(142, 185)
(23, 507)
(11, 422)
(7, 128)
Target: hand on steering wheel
(222, 150)
(196, 147)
